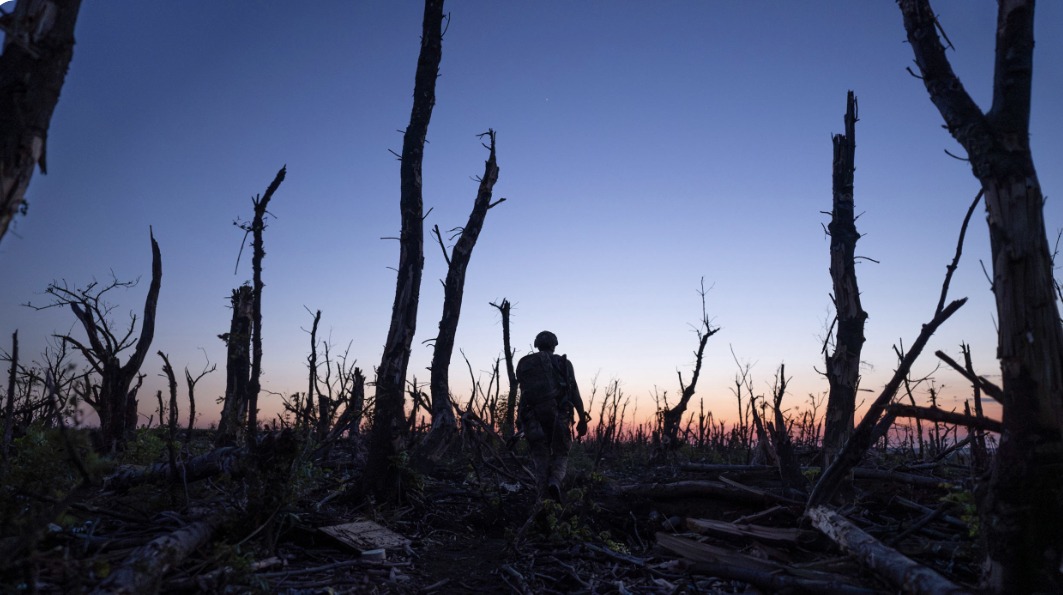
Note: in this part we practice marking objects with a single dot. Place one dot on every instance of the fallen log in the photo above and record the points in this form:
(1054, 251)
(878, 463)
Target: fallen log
(777, 583)
(228, 459)
(947, 417)
(898, 476)
(905, 574)
(700, 489)
(776, 534)
(723, 563)
(705, 468)
(143, 570)
(906, 503)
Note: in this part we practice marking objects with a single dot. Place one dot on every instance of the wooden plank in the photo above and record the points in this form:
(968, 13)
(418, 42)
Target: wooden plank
(755, 531)
(366, 535)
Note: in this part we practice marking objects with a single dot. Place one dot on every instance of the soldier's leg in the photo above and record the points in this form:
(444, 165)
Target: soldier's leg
(561, 444)
(539, 445)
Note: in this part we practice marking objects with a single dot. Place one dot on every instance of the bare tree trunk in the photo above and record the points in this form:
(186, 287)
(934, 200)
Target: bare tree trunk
(172, 422)
(511, 399)
(114, 396)
(843, 366)
(38, 46)
(979, 455)
(1022, 507)
(9, 407)
(789, 468)
(444, 426)
(191, 382)
(323, 404)
(257, 225)
(388, 434)
(237, 367)
(671, 418)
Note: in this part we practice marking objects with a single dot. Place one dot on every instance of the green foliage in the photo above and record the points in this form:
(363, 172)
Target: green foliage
(411, 479)
(965, 501)
(811, 474)
(148, 447)
(41, 466)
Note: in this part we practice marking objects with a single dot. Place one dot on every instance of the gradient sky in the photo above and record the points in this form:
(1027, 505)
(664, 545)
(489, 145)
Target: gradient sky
(641, 147)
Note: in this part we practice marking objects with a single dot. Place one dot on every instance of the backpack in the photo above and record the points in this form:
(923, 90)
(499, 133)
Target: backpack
(541, 379)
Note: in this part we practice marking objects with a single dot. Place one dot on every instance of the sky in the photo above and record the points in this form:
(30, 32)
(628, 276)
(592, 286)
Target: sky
(642, 147)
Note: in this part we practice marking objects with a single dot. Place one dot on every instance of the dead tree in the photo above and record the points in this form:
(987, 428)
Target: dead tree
(511, 398)
(388, 434)
(9, 407)
(322, 400)
(671, 418)
(1022, 507)
(237, 367)
(113, 401)
(789, 468)
(191, 382)
(444, 426)
(171, 425)
(843, 366)
(257, 225)
(38, 46)
(979, 454)
(874, 425)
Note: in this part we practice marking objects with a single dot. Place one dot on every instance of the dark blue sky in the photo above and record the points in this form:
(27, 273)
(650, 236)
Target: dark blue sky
(641, 147)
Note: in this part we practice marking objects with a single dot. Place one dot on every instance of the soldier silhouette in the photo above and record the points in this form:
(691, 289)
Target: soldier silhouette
(548, 397)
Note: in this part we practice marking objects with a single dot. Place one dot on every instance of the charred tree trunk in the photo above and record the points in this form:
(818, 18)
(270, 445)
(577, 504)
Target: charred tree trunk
(1022, 507)
(257, 225)
(511, 398)
(874, 426)
(237, 367)
(323, 405)
(113, 399)
(444, 426)
(671, 418)
(789, 468)
(38, 46)
(843, 366)
(388, 434)
(9, 407)
(979, 456)
(171, 424)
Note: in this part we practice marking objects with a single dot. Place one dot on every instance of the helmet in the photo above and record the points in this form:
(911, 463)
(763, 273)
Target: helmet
(545, 340)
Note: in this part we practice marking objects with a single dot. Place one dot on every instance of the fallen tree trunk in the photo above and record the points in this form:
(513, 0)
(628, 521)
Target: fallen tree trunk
(229, 460)
(897, 476)
(143, 570)
(905, 574)
(947, 417)
(701, 489)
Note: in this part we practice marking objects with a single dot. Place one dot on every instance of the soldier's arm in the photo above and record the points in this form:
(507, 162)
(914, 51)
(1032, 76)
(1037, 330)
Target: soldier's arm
(573, 391)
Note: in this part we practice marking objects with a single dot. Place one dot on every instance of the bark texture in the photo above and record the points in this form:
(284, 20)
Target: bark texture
(843, 366)
(141, 573)
(38, 46)
(906, 575)
(1022, 506)
(444, 425)
(258, 224)
(237, 367)
(511, 398)
(389, 427)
